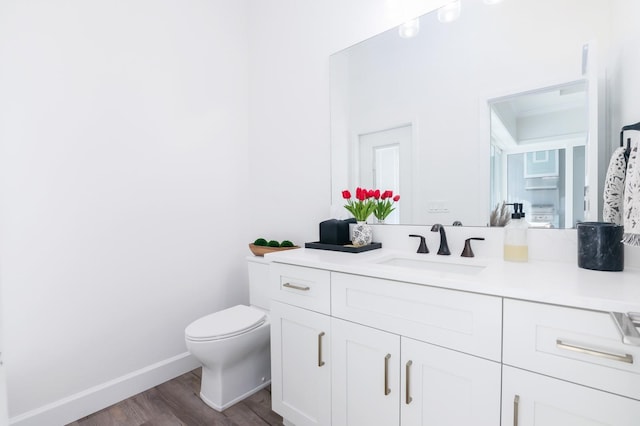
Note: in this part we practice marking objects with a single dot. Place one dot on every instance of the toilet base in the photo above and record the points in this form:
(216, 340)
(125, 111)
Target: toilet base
(230, 381)
(233, 401)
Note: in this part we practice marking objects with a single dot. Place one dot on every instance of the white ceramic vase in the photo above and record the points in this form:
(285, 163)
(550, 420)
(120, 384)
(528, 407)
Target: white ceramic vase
(362, 234)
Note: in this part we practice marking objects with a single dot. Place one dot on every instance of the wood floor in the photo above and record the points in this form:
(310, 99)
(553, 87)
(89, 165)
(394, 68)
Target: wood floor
(176, 403)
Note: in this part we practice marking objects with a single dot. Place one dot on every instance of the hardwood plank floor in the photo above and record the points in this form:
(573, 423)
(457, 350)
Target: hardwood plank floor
(176, 403)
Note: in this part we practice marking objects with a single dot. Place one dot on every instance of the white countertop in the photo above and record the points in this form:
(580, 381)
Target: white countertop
(558, 283)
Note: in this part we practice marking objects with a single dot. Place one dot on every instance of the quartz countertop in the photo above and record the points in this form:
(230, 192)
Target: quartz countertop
(559, 283)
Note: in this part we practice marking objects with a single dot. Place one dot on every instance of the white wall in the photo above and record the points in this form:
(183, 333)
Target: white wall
(123, 129)
(4, 410)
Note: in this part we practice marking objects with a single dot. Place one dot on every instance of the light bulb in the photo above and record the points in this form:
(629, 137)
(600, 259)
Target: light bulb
(449, 12)
(409, 29)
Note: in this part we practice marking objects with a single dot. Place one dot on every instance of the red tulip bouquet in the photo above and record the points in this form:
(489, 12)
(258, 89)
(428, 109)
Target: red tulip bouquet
(384, 204)
(364, 204)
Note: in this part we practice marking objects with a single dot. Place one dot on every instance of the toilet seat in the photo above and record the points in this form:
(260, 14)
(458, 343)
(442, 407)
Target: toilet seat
(227, 323)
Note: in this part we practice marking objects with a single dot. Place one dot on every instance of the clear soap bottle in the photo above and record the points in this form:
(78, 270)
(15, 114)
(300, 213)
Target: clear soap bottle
(516, 248)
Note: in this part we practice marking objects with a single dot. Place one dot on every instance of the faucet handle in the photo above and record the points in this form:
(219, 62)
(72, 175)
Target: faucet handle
(467, 252)
(423, 244)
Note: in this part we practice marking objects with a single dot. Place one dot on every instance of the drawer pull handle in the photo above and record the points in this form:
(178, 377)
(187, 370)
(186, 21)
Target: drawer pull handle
(320, 361)
(387, 391)
(628, 358)
(516, 402)
(408, 390)
(626, 325)
(296, 287)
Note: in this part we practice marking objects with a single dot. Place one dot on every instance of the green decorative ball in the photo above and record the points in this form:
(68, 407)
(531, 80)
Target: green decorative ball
(286, 243)
(260, 242)
(273, 243)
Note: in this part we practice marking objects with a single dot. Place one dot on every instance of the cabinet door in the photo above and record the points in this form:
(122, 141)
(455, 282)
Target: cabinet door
(530, 399)
(365, 375)
(300, 365)
(445, 387)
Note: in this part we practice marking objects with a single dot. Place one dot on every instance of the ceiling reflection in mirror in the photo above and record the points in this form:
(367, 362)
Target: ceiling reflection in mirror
(426, 115)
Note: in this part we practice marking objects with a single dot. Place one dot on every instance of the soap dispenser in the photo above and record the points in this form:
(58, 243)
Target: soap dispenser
(516, 248)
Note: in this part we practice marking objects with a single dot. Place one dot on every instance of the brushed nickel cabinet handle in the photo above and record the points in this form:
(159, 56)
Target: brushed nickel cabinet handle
(516, 402)
(387, 391)
(628, 358)
(296, 287)
(408, 389)
(320, 361)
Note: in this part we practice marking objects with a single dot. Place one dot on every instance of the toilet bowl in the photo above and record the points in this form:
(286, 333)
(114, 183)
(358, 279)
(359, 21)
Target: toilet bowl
(233, 345)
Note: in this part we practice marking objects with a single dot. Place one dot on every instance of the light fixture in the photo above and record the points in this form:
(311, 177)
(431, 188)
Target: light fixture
(449, 12)
(409, 29)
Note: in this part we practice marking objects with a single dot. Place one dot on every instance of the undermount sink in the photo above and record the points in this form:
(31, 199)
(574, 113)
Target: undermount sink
(430, 265)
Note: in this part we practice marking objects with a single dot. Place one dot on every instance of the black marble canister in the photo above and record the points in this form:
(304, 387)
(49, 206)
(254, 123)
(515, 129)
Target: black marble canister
(600, 246)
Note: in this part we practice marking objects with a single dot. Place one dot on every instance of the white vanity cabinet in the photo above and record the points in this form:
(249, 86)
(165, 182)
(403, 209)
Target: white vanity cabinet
(350, 350)
(300, 345)
(428, 384)
(353, 350)
(567, 366)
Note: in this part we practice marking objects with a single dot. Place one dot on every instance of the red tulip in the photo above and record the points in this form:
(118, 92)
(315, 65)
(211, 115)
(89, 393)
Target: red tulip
(376, 194)
(370, 193)
(396, 198)
(361, 194)
(346, 194)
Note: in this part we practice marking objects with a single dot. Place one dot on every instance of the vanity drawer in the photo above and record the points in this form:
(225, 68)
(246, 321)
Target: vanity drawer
(577, 345)
(466, 322)
(307, 288)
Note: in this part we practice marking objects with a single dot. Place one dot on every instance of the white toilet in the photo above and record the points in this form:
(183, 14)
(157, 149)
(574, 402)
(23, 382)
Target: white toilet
(233, 344)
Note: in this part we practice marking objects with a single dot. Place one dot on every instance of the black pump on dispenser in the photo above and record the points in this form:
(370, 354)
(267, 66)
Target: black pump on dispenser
(516, 248)
(518, 213)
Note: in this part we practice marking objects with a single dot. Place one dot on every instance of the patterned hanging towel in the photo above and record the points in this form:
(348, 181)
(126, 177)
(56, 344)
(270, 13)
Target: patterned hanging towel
(614, 187)
(632, 201)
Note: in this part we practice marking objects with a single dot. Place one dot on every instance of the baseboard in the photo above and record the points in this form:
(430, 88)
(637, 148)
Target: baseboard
(94, 399)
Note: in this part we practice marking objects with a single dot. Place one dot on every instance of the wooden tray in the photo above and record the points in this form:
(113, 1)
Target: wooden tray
(262, 250)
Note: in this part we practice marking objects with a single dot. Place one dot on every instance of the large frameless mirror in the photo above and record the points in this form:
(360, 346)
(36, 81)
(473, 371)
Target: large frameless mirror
(503, 104)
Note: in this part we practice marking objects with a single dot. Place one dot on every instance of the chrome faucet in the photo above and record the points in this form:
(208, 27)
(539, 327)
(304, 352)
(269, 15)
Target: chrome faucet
(444, 247)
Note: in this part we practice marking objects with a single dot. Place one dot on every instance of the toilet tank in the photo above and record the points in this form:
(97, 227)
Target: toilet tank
(258, 282)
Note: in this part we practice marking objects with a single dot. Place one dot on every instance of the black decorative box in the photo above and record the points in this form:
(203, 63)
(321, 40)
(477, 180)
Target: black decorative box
(336, 232)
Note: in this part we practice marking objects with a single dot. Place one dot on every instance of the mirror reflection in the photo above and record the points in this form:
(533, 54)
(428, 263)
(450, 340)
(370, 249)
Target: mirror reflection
(538, 154)
(448, 117)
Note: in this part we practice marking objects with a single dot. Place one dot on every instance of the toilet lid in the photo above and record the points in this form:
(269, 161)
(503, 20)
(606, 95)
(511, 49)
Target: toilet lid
(226, 323)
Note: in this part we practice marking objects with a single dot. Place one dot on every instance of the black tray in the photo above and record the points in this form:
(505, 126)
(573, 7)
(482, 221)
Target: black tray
(347, 248)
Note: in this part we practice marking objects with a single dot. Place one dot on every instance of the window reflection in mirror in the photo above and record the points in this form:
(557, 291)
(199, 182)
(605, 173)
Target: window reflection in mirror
(538, 153)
